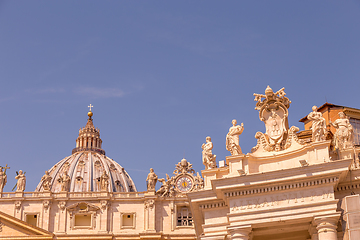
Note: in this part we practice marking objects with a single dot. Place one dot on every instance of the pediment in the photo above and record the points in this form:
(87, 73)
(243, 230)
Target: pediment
(13, 227)
(82, 207)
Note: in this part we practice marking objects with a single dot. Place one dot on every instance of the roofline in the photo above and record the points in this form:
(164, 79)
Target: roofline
(330, 105)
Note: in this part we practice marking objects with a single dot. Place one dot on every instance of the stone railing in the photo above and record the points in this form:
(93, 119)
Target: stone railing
(8, 195)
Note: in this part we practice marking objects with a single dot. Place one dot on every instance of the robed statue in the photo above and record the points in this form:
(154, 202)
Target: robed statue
(232, 138)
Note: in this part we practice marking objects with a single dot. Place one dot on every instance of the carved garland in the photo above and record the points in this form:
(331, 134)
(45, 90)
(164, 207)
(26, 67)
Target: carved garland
(281, 187)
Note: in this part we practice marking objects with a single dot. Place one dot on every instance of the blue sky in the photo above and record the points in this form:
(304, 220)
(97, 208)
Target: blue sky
(163, 75)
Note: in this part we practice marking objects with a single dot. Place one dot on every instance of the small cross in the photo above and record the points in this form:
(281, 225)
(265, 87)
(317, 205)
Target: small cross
(90, 106)
(6, 167)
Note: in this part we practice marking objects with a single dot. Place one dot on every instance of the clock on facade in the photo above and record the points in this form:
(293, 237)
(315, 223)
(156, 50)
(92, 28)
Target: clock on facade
(184, 183)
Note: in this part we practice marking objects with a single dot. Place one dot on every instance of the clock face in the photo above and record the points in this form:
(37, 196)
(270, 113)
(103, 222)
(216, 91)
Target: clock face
(184, 184)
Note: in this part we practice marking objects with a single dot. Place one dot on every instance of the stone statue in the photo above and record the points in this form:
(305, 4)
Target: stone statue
(318, 125)
(104, 182)
(65, 182)
(46, 181)
(167, 187)
(21, 181)
(3, 179)
(343, 137)
(209, 159)
(151, 180)
(232, 138)
(199, 182)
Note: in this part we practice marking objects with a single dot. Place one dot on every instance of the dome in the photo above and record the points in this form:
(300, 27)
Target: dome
(87, 169)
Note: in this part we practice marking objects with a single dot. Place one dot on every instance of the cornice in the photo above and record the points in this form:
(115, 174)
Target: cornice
(335, 168)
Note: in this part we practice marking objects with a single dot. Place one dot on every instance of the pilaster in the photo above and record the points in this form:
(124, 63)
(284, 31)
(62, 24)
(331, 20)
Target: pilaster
(61, 221)
(149, 208)
(104, 216)
(351, 217)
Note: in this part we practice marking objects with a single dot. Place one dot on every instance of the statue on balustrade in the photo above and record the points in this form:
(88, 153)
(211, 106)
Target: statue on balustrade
(46, 181)
(232, 138)
(209, 159)
(21, 181)
(318, 125)
(343, 137)
(3, 178)
(151, 180)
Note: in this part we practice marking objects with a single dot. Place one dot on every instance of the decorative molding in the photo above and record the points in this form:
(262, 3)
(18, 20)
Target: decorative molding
(46, 204)
(1, 225)
(149, 204)
(281, 187)
(17, 205)
(213, 205)
(62, 205)
(104, 204)
(347, 187)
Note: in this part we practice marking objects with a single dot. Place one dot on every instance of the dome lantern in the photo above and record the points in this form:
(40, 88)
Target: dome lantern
(89, 137)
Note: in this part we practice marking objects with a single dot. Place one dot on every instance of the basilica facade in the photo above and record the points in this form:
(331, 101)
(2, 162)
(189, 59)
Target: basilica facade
(293, 184)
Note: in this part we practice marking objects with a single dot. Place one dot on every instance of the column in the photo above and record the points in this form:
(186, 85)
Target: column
(240, 233)
(326, 226)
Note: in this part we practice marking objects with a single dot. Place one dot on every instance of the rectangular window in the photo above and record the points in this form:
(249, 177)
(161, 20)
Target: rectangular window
(82, 220)
(32, 219)
(127, 220)
(184, 216)
(356, 126)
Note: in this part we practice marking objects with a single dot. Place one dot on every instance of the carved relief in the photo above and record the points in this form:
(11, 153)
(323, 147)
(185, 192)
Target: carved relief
(149, 204)
(17, 205)
(1, 225)
(279, 200)
(183, 182)
(208, 159)
(273, 111)
(46, 204)
(62, 205)
(104, 204)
